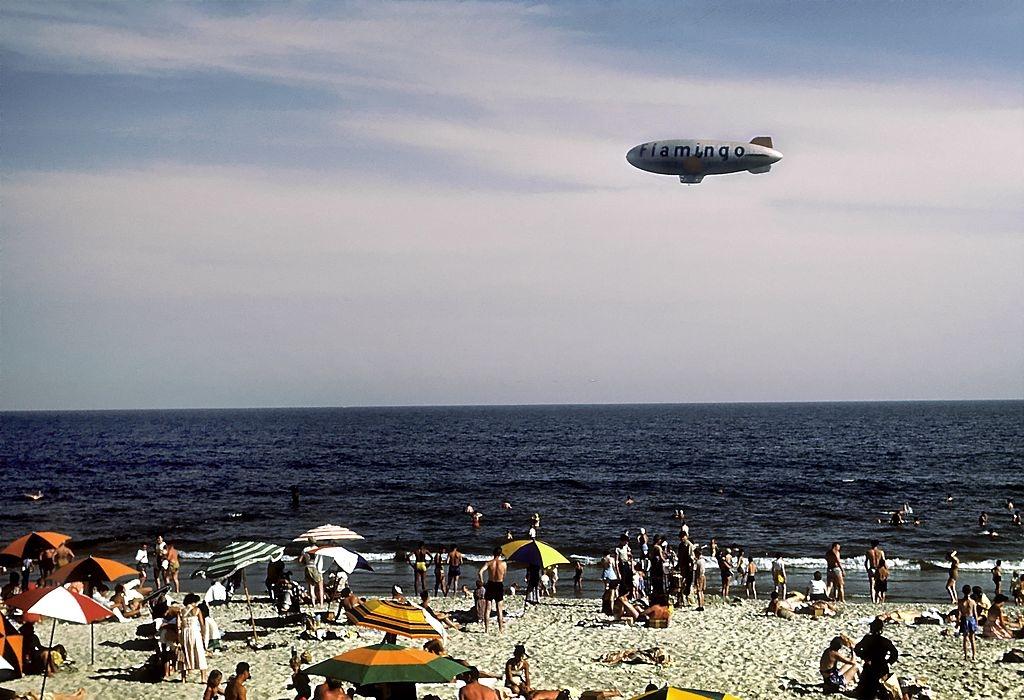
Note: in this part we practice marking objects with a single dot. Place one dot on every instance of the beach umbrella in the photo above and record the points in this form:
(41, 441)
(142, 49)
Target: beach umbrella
(92, 570)
(236, 557)
(532, 552)
(388, 663)
(11, 645)
(58, 603)
(5, 665)
(29, 546)
(328, 533)
(347, 560)
(397, 617)
(670, 693)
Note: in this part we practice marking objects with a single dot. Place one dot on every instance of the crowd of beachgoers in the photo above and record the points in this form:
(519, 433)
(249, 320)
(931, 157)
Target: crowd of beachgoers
(513, 599)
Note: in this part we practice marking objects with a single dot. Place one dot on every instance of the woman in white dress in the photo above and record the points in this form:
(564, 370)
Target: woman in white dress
(192, 637)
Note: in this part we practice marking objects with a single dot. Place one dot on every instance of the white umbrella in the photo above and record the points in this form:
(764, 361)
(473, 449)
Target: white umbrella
(5, 665)
(328, 533)
(347, 560)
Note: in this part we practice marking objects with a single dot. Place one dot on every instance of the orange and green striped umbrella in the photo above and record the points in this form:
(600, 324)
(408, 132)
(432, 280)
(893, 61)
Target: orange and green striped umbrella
(670, 693)
(396, 617)
(388, 663)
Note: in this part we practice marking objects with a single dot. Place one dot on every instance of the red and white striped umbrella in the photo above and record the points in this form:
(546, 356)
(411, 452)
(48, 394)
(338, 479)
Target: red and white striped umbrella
(59, 603)
(328, 533)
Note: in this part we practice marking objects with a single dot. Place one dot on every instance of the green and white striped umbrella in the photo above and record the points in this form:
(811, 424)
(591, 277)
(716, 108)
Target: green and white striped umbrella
(239, 555)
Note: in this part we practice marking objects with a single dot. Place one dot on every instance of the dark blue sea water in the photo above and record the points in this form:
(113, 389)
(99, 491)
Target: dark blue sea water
(769, 477)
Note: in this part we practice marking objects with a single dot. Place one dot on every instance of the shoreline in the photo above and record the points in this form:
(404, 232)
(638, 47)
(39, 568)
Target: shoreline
(728, 647)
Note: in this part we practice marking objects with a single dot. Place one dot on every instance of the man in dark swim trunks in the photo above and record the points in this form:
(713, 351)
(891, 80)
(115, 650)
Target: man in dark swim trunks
(454, 570)
(494, 589)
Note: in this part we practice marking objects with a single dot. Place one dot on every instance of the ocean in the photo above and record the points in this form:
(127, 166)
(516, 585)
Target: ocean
(771, 478)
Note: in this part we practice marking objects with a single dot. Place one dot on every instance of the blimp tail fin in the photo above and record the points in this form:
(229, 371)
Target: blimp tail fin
(765, 141)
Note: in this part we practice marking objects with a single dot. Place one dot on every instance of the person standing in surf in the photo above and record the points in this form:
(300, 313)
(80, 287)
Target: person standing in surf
(954, 573)
(836, 585)
(872, 560)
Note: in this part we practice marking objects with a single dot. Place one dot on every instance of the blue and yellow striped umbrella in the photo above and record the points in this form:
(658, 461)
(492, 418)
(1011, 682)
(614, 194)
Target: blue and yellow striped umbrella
(533, 552)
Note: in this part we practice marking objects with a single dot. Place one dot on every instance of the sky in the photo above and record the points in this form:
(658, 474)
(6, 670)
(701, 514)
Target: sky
(375, 203)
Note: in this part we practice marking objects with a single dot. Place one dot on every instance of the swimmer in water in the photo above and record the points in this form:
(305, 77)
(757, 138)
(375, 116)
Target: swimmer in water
(469, 509)
(506, 506)
(629, 500)
(983, 519)
(34, 495)
(476, 517)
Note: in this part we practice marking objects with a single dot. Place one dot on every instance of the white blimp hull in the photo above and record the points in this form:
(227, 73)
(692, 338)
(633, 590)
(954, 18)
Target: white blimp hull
(691, 159)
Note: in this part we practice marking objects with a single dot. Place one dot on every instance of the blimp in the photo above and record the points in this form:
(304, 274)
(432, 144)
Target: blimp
(691, 160)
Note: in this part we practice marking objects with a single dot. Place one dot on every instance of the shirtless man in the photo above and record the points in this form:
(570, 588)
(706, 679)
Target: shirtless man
(236, 689)
(838, 667)
(836, 584)
(872, 559)
(62, 556)
(454, 570)
(475, 690)
(967, 621)
(494, 589)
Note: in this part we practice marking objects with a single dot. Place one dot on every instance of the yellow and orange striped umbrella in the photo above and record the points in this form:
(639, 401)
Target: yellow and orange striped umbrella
(397, 617)
(388, 663)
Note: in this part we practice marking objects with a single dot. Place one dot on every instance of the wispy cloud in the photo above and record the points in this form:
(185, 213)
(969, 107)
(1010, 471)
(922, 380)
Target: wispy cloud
(480, 208)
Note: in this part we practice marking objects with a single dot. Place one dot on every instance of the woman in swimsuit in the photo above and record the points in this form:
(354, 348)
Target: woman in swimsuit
(439, 582)
(954, 572)
(725, 568)
(517, 672)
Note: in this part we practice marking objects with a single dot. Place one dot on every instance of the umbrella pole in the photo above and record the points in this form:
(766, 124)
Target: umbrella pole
(248, 601)
(46, 671)
(92, 643)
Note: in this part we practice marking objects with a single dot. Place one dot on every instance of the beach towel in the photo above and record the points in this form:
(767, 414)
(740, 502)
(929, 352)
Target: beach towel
(655, 656)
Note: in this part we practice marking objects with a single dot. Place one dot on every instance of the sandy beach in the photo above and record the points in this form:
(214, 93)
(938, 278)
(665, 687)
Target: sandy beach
(727, 647)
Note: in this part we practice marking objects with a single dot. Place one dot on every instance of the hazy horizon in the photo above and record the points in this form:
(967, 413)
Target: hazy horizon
(402, 204)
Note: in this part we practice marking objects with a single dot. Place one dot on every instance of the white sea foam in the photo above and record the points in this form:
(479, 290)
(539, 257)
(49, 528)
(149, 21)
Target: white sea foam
(763, 563)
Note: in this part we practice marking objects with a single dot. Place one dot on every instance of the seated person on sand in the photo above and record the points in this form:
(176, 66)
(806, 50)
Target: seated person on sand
(996, 624)
(440, 616)
(37, 658)
(657, 613)
(779, 607)
(816, 588)
(838, 667)
(348, 600)
(622, 609)
(517, 672)
(120, 603)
